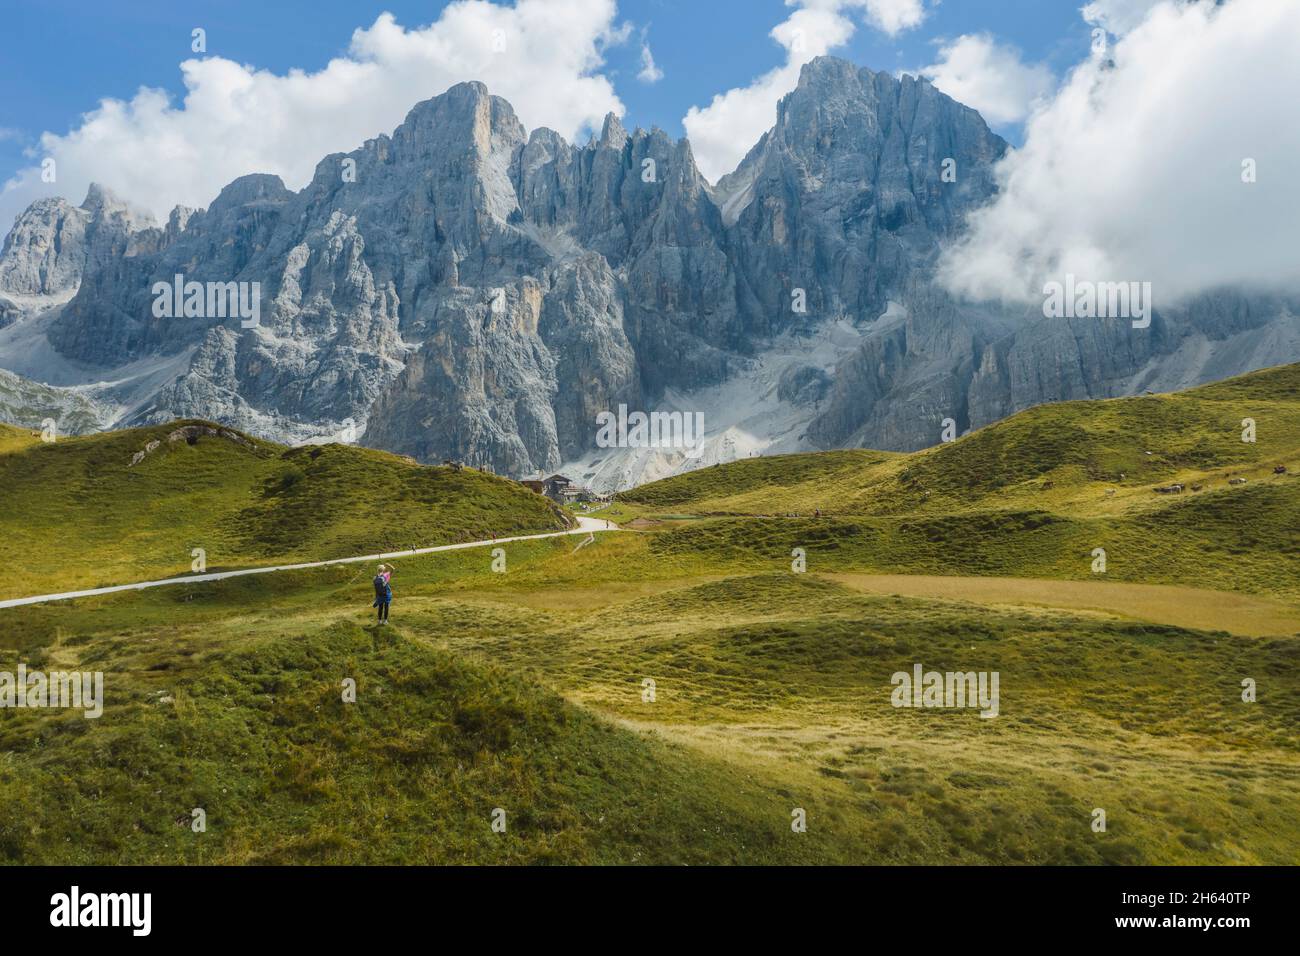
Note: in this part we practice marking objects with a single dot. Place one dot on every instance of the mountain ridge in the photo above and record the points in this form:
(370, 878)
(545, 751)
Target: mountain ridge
(464, 288)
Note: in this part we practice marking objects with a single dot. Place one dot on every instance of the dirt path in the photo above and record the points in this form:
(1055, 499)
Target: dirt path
(1197, 608)
(585, 526)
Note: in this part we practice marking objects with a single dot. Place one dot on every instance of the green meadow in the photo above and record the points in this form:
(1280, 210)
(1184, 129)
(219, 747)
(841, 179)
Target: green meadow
(679, 691)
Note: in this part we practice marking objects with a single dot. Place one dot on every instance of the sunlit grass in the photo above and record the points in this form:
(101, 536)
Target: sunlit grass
(527, 689)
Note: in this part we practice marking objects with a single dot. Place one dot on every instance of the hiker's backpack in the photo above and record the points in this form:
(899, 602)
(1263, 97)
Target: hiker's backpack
(381, 587)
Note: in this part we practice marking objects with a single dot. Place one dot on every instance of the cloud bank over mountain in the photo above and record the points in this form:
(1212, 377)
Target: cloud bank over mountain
(1118, 16)
(989, 76)
(1137, 169)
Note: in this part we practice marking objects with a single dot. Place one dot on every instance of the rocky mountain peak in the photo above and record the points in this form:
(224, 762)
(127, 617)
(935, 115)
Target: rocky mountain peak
(43, 253)
(612, 133)
(253, 188)
(466, 116)
(460, 289)
(98, 196)
(828, 74)
(103, 204)
(177, 220)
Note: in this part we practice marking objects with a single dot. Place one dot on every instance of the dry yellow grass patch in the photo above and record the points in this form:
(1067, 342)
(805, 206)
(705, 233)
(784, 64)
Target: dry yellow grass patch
(1198, 608)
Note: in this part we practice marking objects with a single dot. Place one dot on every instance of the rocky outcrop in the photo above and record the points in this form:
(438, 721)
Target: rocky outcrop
(53, 244)
(45, 252)
(31, 404)
(190, 434)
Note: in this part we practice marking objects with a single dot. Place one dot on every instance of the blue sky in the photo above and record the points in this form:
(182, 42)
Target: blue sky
(702, 48)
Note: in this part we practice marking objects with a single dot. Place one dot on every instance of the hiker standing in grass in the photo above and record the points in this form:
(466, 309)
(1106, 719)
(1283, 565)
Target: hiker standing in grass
(383, 593)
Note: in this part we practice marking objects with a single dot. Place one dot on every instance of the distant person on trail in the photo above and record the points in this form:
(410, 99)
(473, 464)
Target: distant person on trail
(383, 593)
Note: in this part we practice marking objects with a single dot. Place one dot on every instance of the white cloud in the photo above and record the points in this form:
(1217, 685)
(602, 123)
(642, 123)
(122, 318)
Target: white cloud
(722, 132)
(894, 16)
(1134, 172)
(990, 77)
(236, 119)
(1118, 16)
(649, 72)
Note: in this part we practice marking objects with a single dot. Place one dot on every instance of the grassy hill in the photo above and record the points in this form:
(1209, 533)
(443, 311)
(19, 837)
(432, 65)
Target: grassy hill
(1066, 454)
(1033, 495)
(520, 691)
(77, 513)
(526, 690)
(258, 736)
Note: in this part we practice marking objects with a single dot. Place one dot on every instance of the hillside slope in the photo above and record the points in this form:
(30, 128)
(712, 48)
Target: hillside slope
(78, 513)
(256, 734)
(1033, 495)
(771, 690)
(772, 693)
